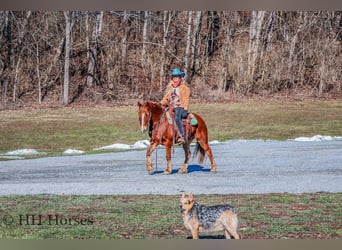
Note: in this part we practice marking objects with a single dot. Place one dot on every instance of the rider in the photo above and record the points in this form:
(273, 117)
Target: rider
(177, 94)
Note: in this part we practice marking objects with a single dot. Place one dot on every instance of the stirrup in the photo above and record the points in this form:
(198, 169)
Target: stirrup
(181, 140)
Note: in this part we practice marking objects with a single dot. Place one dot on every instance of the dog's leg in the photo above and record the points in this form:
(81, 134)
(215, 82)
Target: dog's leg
(230, 223)
(194, 233)
(234, 234)
(227, 235)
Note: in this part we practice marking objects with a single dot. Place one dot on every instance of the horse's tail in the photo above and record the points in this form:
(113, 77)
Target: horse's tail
(201, 151)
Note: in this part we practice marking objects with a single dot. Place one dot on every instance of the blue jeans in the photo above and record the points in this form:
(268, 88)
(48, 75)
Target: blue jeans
(179, 114)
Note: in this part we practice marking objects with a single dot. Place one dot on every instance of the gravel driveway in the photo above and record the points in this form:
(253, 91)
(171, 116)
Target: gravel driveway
(243, 167)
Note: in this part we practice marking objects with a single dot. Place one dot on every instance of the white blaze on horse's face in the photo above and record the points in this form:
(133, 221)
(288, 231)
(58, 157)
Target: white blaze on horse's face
(142, 123)
(144, 120)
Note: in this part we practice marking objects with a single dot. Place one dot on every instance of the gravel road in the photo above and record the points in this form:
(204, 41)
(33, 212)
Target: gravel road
(243, 167)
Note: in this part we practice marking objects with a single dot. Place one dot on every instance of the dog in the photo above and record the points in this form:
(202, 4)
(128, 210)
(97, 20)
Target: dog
(200, 218)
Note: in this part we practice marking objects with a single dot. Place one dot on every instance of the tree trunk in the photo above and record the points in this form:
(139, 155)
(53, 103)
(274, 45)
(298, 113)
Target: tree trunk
(143, 53)
(254, 42)
(124, 40)
(166, 25)
(67, 57)
(38, 75)
(226, 52)
(87, 33)
(8, 35)
(197, 30)
(188, 43)
(94, 49)
(21, 47)
(16, 79)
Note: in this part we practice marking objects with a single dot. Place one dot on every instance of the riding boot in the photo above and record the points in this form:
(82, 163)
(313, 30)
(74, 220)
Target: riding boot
(181, 140)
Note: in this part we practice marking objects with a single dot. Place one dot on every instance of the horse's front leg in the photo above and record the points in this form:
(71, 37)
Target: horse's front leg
(184, 168)
(149, 151)
(168, 169)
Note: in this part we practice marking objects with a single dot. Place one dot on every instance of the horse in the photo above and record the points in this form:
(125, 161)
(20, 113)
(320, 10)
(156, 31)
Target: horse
(153, 117)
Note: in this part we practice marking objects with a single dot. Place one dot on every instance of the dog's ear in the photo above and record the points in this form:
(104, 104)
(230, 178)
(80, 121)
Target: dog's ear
(191, 196)
(183, 195)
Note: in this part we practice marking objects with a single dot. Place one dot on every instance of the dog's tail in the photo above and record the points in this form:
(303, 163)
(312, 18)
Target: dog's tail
(201, 151)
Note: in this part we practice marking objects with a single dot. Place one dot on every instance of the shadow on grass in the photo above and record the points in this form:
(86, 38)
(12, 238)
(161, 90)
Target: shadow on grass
(209, 237)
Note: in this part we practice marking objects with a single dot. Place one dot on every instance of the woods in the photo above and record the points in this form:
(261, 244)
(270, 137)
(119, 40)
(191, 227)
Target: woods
(116, 56)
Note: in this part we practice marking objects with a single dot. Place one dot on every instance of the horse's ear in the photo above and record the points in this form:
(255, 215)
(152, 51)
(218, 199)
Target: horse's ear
(139, 104)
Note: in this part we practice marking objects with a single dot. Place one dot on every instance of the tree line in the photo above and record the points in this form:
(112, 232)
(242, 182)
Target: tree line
(71, 56)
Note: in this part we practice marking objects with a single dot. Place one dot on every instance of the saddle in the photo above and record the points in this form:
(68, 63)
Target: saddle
(190, 119)
(188, 122)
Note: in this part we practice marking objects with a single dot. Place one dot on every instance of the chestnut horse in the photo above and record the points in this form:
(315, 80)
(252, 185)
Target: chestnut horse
(152, 117)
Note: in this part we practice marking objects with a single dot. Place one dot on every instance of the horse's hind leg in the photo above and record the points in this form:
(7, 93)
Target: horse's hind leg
(149, 151)
(168, 169)
(207, 149)
(184, 168)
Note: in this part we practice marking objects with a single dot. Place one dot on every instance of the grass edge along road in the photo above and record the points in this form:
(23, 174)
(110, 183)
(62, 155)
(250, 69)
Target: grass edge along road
(84, 128)
(272, 216)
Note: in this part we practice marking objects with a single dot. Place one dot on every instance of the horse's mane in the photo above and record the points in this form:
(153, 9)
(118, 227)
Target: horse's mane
(154, 105)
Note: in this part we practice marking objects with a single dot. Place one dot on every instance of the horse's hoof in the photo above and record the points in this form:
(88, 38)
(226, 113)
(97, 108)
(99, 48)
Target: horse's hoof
(181, 171)
(150, 172)
(167, 172)
(213, 171)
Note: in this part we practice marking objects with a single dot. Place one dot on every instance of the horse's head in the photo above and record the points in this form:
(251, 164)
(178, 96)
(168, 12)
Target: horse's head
(144, 116)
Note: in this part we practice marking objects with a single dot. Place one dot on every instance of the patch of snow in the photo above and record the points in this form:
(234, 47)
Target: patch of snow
(214, 142)
(141, 144)
(137, 145)
(114, 146)
(73, 152)
(317, 138)
(25, 151)
(11, 157)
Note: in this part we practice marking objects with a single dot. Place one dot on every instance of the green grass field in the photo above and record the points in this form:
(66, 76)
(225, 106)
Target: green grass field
(55, 130)
(273, 216)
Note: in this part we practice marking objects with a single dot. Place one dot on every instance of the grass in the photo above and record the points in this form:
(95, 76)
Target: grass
(55, 130)
(274, 216)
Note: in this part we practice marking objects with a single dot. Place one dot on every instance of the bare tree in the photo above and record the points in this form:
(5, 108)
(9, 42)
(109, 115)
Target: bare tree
(68, 28)
(22, 47)
(259, 52)
(93, 49)
(124, 25)
(188, 42)
(254, 41)
(195, 41)
(144, 41)
(166, 25)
